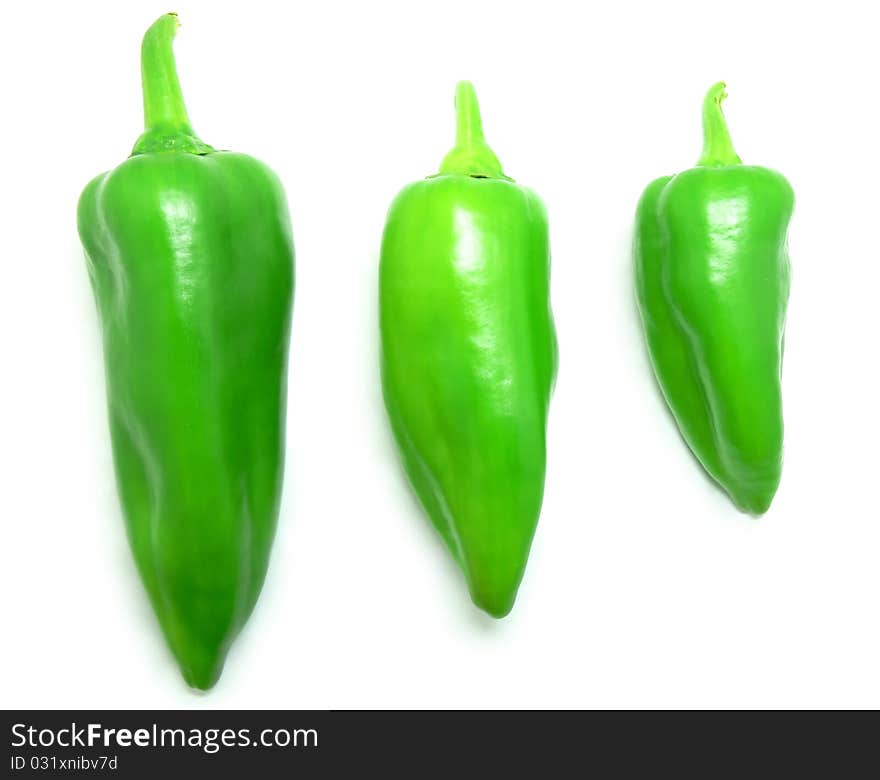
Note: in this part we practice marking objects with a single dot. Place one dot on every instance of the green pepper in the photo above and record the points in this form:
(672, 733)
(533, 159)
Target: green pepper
(190, 256)
(468, 355)
(712, 281)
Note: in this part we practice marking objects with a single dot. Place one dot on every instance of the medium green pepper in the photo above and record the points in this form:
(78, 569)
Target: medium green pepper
(712, 282)
(190, 256)
(469, 355)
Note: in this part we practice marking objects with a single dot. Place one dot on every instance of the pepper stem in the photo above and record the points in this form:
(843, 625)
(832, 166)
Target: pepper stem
(471, 155)
(717, 147)
(166, 122)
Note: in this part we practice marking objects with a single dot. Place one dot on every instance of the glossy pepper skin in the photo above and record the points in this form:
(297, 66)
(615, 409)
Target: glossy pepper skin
(712, 281)
(469, 356)
(190, 256)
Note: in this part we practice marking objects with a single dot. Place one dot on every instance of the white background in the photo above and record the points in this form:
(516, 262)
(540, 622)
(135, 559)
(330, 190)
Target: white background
(645, 586)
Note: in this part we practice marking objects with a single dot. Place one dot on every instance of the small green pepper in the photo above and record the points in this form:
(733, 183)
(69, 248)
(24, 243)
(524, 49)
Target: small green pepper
(469, 355)
(190, 256)
(712, 281)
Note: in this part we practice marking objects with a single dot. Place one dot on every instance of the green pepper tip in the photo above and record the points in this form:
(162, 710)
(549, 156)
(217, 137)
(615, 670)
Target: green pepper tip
(165, 27)
(466, 100)
(471, 155)
(717, 92)
(166, 122)
(718, 148)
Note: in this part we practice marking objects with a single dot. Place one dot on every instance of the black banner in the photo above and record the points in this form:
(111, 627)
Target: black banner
(320, 743)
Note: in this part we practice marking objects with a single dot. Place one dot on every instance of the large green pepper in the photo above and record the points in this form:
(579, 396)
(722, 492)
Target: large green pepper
(712, 281)
(190, 256)
(469, 355)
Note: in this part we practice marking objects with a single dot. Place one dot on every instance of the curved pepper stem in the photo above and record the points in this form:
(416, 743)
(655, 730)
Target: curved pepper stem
(471, 155)
(717, 147)
(166, 122)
